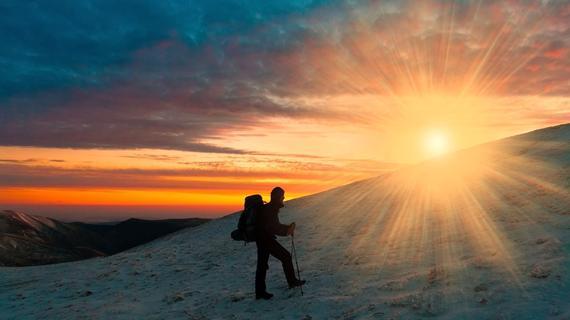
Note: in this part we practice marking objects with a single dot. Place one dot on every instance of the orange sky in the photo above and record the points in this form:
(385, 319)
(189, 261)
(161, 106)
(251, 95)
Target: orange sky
(179, 183)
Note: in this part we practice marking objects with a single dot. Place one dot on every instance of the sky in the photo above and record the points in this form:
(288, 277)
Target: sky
(160, 109)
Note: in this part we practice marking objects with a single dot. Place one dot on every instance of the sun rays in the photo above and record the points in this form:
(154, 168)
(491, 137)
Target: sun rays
(463, 210)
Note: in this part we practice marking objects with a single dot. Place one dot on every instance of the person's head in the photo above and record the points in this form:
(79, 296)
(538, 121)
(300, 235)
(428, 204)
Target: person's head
(277, 195)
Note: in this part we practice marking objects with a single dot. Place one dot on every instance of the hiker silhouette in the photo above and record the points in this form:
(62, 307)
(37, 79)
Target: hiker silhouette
(267, 227)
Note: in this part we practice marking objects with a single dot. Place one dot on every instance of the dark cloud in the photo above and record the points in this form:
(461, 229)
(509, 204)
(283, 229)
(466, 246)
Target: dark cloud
(19, 161)
(20, 175)
(135, 74)
(158, 157)
(223, 174)
(48, 44)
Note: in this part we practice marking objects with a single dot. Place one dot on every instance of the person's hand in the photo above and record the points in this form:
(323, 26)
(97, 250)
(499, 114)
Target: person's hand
(291, 229)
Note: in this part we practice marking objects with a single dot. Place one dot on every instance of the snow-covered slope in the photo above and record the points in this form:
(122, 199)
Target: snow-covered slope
(482, 234)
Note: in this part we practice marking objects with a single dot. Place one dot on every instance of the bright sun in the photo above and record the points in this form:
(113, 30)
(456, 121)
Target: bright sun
(436, 143)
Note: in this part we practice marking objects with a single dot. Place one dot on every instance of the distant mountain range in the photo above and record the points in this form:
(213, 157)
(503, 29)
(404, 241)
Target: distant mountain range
(33, 240)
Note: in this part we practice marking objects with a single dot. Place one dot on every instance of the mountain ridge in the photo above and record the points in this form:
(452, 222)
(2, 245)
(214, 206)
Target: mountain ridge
(33, 240)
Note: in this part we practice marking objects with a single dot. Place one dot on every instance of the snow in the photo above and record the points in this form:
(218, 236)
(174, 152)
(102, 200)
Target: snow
(487, 243)
(36, 222)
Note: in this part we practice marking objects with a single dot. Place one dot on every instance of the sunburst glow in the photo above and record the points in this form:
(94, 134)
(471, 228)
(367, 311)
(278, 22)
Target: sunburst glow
(436, 143)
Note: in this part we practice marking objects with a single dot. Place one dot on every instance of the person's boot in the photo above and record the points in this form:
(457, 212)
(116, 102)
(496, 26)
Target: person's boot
(296, 283)
(263, 295)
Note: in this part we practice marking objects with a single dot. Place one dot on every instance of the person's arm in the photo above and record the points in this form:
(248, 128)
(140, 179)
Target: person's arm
(276, 227)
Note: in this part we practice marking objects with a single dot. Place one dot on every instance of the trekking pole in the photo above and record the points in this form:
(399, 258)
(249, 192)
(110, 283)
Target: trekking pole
(296, 261)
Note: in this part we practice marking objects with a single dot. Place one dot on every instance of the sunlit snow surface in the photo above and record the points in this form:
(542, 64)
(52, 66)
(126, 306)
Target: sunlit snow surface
(484, 233)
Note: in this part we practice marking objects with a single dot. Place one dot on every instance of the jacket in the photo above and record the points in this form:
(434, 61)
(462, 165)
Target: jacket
(267, 223)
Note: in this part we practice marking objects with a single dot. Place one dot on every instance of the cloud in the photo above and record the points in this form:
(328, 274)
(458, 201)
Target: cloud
(175, 74)
(298, 176)
(158, 157)
(46, 45)
(19, 161)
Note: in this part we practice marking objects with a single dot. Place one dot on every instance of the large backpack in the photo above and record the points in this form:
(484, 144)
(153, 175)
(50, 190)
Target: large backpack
(246, 225)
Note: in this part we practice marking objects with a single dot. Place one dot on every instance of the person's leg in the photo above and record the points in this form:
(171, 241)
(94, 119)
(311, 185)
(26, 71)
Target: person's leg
(277, 250)
(260, 273)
